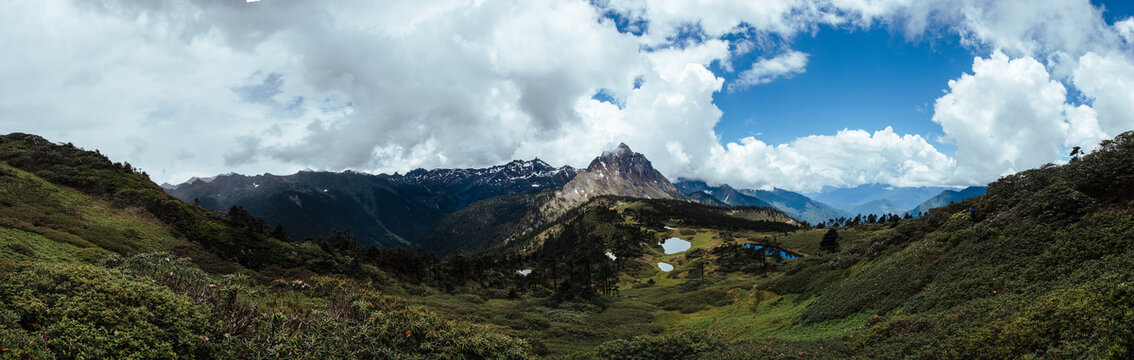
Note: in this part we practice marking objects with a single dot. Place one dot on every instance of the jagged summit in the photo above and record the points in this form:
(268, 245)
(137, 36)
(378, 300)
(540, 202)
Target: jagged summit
(620, 150)
(512, 171)
(622, 158)
(620, 171)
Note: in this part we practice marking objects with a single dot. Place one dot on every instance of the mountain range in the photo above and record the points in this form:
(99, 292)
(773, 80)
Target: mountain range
(382, 210)
(947, 197)
(794, 204)
(437, 209)
(410, 210)
(1039, 266)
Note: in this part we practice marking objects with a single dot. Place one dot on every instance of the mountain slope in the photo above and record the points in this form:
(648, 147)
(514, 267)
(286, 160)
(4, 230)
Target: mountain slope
(1042, 267)
(462, 187)
(946, 197)
(380, 210)
(794, 204)
(620, 172)
(724, 193)
(95, 262)
(797, 205)
(702, 197)
(495, 222)
(877, 207)
(110, 202)
(609, 212)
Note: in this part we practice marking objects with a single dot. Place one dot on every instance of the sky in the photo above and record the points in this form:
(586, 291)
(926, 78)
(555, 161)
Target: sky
(793, 94)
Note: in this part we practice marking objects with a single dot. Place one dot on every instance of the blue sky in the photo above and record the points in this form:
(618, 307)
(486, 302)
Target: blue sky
(794, 94)
(858, 79)
(866, 79)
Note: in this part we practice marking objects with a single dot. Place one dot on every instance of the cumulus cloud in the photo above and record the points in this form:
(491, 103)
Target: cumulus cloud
(668, 19)
(850, 157)
(1108, 82)
(1125, 28)
(1009, 115)
(205, 87)
(764, 71)
(1017, 27)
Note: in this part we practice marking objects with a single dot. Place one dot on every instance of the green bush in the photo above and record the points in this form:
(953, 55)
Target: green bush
(77, 310)
(676, 346)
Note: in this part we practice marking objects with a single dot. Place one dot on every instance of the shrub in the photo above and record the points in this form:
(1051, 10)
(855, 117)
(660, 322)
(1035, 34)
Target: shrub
(77, 310)
(687, 345)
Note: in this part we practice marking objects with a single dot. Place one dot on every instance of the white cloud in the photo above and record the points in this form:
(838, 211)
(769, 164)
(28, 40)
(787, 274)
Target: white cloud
(1017, 27)
(1108, 82)
(763, 71)
(669, 18)
(1125, 28)
(851, 158)
(203, 87)
(1007, 116)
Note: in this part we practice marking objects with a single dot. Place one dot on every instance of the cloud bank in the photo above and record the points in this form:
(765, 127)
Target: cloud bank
(187, 88)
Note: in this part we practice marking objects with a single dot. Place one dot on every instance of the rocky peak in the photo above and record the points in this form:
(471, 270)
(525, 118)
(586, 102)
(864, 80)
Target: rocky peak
(620, 171)
(621, 159)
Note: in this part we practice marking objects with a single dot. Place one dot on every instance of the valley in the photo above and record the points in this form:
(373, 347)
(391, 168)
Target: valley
(616, 276)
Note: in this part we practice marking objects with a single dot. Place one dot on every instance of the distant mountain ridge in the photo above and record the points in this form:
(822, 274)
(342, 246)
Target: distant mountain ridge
(723, 193)
(794, 204)
(946, 197)
(877, 207)
(382, 210)
(878, 199)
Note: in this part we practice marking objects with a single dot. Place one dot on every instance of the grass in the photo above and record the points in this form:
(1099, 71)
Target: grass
(41, 220)
(554, 330)
(749, 312)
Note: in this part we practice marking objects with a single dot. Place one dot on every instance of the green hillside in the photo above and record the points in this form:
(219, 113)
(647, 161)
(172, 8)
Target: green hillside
(1041, 266)
(98, 262)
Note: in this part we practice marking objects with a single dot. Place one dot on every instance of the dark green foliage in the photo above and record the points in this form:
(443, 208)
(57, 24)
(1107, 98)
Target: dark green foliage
(487, 224)
(660, 211)
(776, 349)
(1039, 266)
(75, 310)
(677, 346)
(830, 242)
(154, 306)
(695, 300)
(1094, 320)
(230, 236)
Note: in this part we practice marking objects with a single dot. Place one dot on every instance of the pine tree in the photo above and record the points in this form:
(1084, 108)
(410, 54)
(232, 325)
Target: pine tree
(830, 242)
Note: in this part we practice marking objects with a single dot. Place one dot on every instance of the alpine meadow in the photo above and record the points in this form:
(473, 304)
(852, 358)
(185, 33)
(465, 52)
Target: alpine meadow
(567, 179)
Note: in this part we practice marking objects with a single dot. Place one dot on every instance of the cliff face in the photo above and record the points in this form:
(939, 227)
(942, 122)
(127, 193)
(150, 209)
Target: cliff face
(621, 172)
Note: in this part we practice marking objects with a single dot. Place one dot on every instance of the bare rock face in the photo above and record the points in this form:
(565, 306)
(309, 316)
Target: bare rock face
(621, 172)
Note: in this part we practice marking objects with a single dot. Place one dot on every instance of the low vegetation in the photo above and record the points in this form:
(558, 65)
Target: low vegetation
(96, 262)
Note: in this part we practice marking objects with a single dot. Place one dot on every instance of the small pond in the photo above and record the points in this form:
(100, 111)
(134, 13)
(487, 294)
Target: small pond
(771, 251)
(611, 255)
(665, 267)
(670, 228)
(524, 272)
(675, 245)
